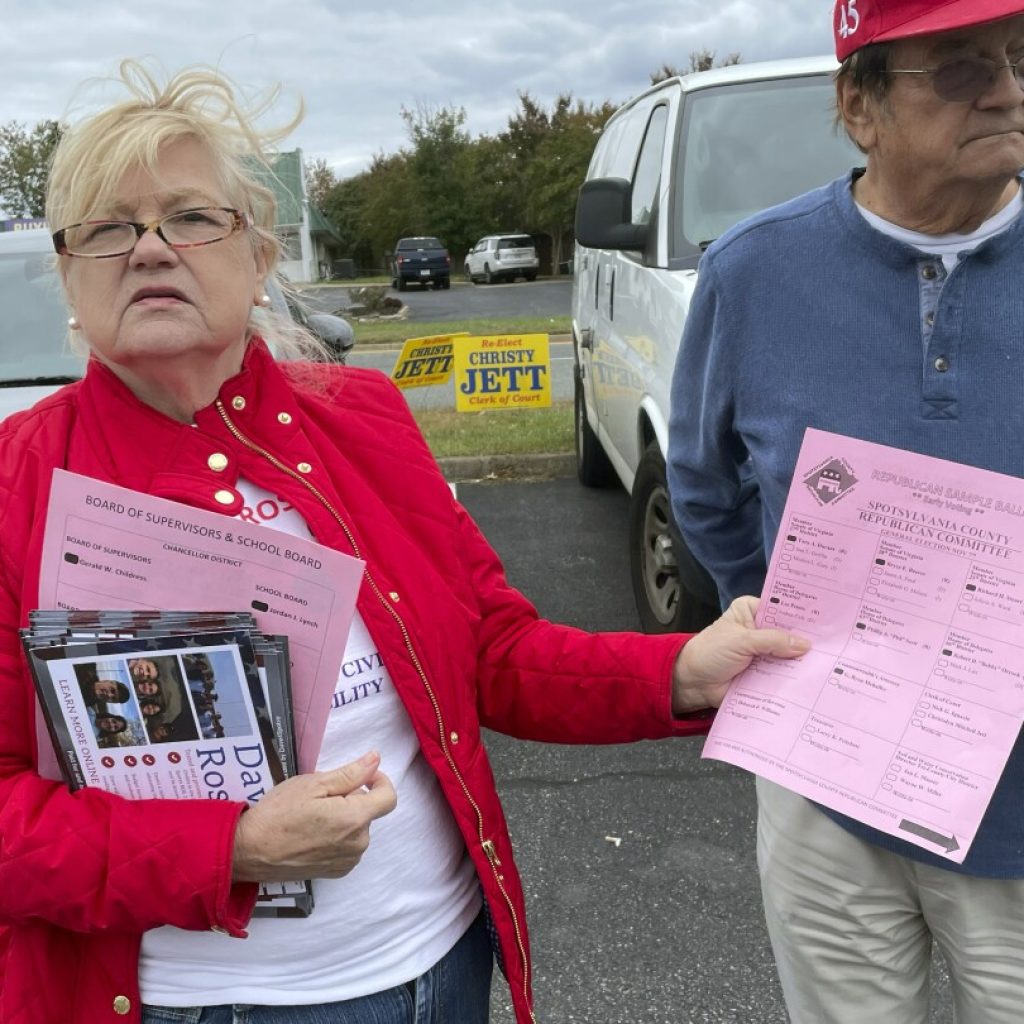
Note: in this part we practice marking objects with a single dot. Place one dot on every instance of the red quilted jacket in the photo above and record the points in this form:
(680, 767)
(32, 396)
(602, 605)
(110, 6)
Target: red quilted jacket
(83, 875)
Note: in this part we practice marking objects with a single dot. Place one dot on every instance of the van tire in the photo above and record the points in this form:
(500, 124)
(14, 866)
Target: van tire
(665, 598)
(402, 284)
(593, 467)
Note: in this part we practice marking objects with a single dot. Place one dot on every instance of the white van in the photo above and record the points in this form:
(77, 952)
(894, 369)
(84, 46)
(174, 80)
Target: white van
(674, 169)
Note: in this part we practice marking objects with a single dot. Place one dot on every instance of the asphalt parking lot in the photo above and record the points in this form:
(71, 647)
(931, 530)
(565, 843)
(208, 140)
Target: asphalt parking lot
(638, 860)
(548, 297)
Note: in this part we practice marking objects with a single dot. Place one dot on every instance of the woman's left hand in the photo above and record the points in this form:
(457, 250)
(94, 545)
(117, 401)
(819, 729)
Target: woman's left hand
(707, 665)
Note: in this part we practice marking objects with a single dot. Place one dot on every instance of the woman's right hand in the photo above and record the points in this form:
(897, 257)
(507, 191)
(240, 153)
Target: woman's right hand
(312, 826)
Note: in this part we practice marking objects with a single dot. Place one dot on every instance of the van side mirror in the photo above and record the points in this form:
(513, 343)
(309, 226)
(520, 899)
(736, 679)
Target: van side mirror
(604, 215)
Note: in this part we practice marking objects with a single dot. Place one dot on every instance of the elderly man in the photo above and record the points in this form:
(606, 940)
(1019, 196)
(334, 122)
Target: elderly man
(887, 306)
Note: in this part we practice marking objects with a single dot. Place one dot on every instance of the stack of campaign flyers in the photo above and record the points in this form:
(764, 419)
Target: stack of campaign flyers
(169, 704)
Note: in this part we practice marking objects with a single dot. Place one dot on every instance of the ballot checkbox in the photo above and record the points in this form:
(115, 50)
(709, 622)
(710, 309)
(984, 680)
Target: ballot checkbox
(874, 581)
(886, 785)
(890, 777)
(964, 607)
(919, 714)
(968, 597)
(942, 663)
(939, 672)
(924, 705)
(872, 590)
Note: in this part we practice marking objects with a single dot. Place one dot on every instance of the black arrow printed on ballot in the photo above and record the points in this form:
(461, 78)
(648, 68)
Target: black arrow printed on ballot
(948, 843)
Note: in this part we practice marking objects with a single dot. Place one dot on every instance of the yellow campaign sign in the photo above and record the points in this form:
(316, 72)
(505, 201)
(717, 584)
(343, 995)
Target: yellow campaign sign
(424, 361)
(502, 372)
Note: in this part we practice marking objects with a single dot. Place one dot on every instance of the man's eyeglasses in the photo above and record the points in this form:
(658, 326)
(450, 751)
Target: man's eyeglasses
(965, 79)
(101, 239)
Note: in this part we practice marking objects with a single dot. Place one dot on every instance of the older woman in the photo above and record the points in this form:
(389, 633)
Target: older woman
(141, 910)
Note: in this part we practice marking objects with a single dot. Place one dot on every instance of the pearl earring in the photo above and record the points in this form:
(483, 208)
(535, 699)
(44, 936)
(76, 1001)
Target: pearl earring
(265, 299)
(73, 324)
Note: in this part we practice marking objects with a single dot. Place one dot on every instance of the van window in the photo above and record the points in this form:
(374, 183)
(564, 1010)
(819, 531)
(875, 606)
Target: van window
(748, 147)
(34, 319)
(648, 167)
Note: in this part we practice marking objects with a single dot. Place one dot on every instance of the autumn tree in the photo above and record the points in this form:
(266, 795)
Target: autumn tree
(25, 157)
(320, 180)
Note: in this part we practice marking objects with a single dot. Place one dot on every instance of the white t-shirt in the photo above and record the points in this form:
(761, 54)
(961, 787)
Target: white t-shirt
(948, 247)
(403, 907)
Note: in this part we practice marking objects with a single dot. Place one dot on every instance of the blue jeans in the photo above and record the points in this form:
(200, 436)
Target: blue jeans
(456, 990)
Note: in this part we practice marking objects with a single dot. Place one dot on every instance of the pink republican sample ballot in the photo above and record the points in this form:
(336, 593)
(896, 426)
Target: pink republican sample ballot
(907, 574)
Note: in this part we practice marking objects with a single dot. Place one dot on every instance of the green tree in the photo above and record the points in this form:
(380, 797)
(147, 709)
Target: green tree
(558, 166)
(700, 60)
(25, 158)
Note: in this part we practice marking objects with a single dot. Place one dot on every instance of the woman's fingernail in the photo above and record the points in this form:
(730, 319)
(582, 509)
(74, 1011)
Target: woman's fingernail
(798, 643)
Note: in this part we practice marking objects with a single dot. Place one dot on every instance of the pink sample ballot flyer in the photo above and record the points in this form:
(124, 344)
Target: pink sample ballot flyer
(108, 547)
(907, 574)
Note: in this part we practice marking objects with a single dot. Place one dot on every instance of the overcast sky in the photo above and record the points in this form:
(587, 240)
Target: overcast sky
(357, 63)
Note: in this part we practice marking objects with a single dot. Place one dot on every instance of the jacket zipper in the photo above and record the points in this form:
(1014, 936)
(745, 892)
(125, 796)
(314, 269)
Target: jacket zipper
(486, 844)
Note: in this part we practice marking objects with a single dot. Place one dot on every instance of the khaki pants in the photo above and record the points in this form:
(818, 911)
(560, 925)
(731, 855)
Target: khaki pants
(852, 925)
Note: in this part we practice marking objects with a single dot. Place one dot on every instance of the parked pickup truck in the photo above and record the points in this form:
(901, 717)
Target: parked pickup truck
(423, 260)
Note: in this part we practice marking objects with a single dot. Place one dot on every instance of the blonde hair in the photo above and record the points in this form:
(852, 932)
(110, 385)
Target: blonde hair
(196, 103)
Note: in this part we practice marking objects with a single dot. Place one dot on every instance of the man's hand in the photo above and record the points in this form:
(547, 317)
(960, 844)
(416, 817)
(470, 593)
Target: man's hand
(312, 826)
(715, 656)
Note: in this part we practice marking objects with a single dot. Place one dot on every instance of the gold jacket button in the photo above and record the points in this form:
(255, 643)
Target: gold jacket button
(225, 497)
(454, 737)
(238, 402)
(218, 462)
(284, 417)
(122, 1005)
(304, 467)
(394, 596)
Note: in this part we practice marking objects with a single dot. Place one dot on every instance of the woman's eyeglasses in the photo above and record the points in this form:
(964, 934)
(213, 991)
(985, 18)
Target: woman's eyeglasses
(100, 239)
(965, 79)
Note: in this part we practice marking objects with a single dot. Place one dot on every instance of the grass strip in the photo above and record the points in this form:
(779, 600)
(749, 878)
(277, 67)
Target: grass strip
(497, 431)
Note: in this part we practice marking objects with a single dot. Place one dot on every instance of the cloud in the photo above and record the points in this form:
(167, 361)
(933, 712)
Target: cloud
(356, 64)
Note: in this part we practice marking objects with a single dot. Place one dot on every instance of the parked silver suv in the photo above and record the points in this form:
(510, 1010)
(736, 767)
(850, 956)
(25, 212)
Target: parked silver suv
(502, 258)
(674, 169)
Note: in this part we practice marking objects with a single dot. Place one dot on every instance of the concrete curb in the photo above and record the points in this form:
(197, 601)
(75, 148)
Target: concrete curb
(464, 468)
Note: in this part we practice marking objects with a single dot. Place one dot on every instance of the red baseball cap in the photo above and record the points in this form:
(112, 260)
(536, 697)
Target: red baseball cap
(857, 23)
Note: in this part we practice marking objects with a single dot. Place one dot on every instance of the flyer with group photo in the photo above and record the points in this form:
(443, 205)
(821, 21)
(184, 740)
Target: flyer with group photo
(906, 573)
(110, 547)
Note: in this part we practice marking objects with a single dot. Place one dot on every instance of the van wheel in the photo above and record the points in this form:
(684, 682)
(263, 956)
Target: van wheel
(446, 283)
(402, 284)
(530, 277)
(665, 598)
(593, 468)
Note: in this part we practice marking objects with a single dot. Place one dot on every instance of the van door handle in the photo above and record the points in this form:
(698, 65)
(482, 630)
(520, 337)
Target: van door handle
(611, 297)
(587, 339)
